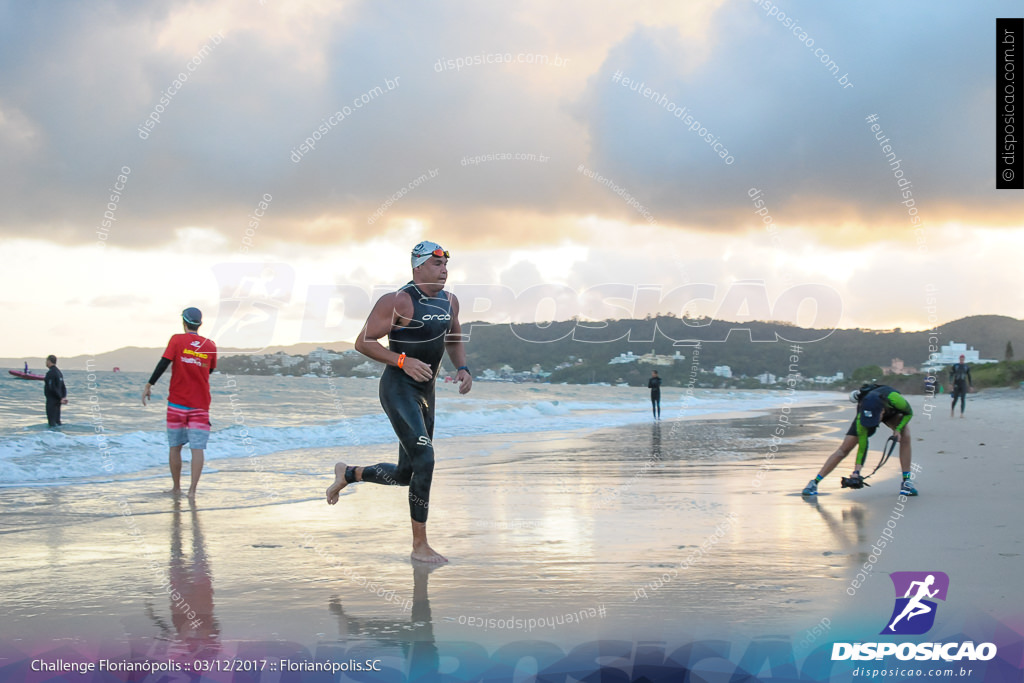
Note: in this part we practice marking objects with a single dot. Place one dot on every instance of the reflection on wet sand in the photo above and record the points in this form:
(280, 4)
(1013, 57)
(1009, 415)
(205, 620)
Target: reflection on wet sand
(415, 637)
(854, 513)
(193, 631)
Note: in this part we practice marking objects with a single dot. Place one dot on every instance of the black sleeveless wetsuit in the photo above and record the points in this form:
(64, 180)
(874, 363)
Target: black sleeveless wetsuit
(654, 384)
(960, 374)
(409, 404)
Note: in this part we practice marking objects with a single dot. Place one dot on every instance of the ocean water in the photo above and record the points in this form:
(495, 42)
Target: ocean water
(108, 435)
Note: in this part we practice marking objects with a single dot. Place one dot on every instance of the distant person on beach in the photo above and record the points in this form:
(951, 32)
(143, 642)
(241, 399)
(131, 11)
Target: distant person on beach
(654, 384)
(26, 367)
(54, 391)
(421, 322)
(875, 405)
(960, 377)
(192, 360)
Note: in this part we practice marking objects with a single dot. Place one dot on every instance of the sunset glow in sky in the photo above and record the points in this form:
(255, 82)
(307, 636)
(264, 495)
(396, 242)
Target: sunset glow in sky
(139, 141)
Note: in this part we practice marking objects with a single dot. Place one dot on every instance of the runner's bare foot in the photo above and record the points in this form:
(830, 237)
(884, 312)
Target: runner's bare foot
(424, 553)
(334, 490)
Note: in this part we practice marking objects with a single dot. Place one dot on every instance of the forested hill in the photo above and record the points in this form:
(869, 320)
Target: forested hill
(747, 348)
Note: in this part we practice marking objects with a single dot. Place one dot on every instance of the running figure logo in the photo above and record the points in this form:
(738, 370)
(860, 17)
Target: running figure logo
(914, 613)
(251, 296)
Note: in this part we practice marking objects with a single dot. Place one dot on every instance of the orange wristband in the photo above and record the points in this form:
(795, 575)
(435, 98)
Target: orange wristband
(401, 361)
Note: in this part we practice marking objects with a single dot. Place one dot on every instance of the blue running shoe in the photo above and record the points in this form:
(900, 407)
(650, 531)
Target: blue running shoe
(812, 489)
(907, 489)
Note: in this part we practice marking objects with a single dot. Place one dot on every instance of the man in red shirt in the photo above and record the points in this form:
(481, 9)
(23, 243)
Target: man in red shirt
(192, 360)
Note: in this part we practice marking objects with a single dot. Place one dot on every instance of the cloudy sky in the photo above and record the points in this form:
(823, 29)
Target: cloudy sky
(597, 200)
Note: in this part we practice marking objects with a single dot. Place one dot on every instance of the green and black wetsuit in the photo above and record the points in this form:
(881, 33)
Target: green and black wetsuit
(409, 404)
(885, 405)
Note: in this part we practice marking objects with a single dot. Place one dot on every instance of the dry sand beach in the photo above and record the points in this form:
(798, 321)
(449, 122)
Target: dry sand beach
(677, 532)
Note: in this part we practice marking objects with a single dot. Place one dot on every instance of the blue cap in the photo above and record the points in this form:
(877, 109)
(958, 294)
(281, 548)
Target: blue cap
(871, 409)
(192, 315)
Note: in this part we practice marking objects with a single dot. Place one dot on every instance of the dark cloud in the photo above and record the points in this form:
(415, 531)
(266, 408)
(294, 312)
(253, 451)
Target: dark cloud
(793, 130)
(77, 81)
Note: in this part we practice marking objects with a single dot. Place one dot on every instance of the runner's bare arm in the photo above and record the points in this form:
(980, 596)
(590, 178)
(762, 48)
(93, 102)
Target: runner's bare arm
(390, 310)
(456, 350)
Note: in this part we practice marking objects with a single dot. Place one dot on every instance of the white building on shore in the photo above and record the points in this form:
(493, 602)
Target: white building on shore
(829, 379)
(653, 358)
(322, 355)
(950, 354)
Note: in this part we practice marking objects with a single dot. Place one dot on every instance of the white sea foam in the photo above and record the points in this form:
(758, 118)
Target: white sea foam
(273, 414)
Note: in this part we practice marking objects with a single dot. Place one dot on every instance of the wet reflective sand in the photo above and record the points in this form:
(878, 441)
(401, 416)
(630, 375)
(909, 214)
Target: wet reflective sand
(650, 532)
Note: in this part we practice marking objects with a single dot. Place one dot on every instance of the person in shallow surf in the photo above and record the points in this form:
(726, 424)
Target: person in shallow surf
(654, 384)
(54, 391)
(421, 322)
(192, 360)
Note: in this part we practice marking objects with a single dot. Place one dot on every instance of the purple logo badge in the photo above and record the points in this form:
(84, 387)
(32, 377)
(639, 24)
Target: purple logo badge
(914, 612)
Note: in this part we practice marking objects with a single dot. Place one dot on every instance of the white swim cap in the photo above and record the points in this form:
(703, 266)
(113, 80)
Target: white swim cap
(424, 250)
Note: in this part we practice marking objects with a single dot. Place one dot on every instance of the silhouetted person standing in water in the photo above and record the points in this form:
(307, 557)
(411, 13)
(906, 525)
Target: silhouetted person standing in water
(54, 391)
(654, 384)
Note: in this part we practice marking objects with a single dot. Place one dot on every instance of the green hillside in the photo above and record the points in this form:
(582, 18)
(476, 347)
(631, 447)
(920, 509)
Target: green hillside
(748, 349)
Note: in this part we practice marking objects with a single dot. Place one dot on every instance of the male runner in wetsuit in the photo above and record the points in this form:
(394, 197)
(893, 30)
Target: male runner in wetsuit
(880, 405)
(421, 322)
(654, 384)
(54, 391)
(960, 376)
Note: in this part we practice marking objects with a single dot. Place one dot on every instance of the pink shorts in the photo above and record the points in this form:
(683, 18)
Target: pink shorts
(188, 425)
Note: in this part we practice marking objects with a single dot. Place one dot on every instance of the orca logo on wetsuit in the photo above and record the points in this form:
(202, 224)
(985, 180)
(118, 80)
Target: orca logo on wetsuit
(423, 441)
(437, 316)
